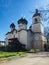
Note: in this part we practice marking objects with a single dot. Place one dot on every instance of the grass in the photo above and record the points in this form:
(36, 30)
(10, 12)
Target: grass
(11, 55)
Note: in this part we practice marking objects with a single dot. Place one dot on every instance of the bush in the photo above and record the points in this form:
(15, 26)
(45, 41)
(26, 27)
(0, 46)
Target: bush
(32, 51)
(37, 50)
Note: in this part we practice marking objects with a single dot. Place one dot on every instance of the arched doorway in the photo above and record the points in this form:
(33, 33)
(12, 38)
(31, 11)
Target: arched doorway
(45, 47)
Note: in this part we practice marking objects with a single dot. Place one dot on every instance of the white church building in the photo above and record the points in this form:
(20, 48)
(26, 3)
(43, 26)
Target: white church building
(32, 38)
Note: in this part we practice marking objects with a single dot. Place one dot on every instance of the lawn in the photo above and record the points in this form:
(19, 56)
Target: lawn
(11, 55)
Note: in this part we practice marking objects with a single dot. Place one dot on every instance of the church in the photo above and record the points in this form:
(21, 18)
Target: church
(32, 38)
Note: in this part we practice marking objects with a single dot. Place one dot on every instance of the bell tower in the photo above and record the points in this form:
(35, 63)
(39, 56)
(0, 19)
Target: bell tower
(37, 22)
(38, 29)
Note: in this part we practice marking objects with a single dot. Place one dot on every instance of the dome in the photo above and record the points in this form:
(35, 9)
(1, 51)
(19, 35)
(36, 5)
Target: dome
(36, 13)
(23, 21)
(12, 25)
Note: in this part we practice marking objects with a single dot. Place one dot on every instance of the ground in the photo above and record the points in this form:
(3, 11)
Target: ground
(41, 58)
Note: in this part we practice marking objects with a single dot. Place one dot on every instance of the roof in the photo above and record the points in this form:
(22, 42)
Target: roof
(11, 31)
(19, 31)
(37, 13)
(2, 41)
(22, 20)
(12, 25)
(26, 30)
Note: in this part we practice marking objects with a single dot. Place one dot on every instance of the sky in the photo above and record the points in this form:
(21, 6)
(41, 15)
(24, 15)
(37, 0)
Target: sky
(13, 10)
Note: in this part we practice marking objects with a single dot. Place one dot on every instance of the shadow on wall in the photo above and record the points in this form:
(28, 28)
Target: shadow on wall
(13, 46)
(46, 47)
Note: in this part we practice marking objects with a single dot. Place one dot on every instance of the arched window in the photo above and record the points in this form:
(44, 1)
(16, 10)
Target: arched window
(35, 20)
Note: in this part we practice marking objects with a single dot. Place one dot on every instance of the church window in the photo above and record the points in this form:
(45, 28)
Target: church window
(35, 20)
(14, 36)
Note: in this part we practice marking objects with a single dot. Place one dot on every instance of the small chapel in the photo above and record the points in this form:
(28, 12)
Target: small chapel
(32, 38)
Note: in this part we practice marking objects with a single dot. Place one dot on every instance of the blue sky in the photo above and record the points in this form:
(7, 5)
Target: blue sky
(12, 10)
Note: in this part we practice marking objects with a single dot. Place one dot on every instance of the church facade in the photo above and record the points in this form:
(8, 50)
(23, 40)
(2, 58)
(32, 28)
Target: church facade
(32, 38)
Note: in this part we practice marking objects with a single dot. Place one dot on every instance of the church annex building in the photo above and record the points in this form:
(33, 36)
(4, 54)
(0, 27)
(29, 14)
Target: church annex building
(32, 38)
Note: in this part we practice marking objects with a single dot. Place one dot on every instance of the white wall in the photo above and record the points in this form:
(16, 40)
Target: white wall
(42, 29)
(12, 35)
(36, 27)
(22, 26)
(39, 19)
(29, 40)
(23, 37)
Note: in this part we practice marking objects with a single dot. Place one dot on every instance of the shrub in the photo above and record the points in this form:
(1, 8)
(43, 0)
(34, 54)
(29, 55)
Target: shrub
(32, 51)
(37, 50)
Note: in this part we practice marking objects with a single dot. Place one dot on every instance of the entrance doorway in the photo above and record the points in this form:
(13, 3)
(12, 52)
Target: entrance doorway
(45, 47)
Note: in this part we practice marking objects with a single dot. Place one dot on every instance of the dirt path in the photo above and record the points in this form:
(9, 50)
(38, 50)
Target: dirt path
(32, 59)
